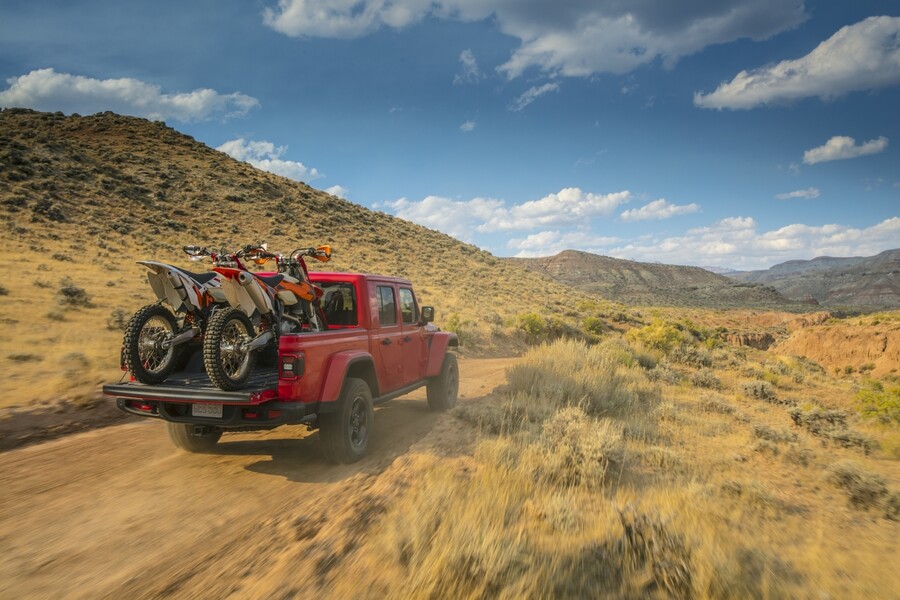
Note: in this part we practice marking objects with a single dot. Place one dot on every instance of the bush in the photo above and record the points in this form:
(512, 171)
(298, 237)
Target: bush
(692, 357)
(761, 390)
(878, 401)
(533, 326)
(863, 488)
(593, 325)
(73, 295)
(706, 379)
(658, 335)
(117, 320)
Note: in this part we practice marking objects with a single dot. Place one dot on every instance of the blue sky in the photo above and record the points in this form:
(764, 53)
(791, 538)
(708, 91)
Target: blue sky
(711, 132)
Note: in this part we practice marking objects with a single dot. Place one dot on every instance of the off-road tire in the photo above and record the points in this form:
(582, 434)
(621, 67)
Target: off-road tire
(443, 389)
(155, 364)
(227, 368)
(346, 433)
(182, 435)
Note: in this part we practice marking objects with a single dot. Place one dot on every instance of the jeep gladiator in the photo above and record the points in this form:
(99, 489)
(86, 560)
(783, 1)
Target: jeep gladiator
(379, 344)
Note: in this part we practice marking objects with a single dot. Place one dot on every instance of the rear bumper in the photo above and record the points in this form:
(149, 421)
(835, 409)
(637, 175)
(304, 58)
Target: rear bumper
(266, 415)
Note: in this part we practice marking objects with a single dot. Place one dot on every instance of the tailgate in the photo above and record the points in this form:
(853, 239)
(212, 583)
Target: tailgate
(196, 387)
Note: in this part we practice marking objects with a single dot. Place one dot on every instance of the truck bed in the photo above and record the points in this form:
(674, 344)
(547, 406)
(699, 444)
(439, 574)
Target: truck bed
(193, 385)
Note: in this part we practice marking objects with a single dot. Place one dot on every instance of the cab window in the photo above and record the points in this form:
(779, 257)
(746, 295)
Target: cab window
(387, 312)
(408, 306)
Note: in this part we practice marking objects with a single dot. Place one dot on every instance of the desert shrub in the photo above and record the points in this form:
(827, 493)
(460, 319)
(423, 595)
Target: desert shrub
(658, 335)
(892, 506)
(663, 373)
(117, 320)
(646, 361)
(879, 401)
(593, 325)
(691, 356)
(602, 378)
(461, 327)
(25, 357)
(533, 326)
(761, 390)
(706, 379)
(863, 488)
(73, 295)
(714, 403)
(818, 420)
(3, 291)
(773, 435)
(575, 449)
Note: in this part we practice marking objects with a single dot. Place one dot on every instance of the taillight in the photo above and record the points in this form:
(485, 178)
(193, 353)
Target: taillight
(292, 366)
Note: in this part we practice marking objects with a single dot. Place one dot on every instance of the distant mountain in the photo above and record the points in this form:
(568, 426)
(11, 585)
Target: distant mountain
(870, 281)
(651, 283)
(721, 270)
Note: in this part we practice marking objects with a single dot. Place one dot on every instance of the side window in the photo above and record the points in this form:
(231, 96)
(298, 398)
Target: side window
(408, 306)
(387, 312)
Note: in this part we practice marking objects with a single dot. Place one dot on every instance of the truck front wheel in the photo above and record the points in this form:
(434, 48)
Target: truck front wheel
(346, 432)
(443, 389)
(183, 436)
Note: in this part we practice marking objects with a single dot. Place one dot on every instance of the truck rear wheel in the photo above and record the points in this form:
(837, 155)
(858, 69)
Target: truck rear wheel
(346, 432)
(444, 388)
(183, 436)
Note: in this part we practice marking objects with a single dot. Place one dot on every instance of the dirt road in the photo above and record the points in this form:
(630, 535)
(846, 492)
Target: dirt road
(120, 513)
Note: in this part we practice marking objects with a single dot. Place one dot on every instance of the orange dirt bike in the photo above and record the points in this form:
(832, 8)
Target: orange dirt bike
(261, 307)
(155, 334)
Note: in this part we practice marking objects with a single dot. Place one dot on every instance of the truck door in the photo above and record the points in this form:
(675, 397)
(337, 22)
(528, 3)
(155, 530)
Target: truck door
(413, 339)
(388, 340)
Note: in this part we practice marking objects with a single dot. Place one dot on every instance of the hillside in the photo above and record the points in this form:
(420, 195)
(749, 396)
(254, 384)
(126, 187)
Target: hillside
(651, 284)
(83, 198)
(869, 282)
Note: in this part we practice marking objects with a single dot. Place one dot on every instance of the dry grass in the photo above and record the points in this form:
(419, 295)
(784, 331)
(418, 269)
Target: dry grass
(591, 481)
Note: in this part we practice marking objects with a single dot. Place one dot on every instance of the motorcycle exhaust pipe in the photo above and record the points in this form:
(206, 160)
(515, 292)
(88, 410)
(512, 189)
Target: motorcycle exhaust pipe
(258, 342)
(184, 336)
(259, 299)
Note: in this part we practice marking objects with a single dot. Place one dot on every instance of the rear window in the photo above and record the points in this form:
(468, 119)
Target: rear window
(387, 311)
(339, 303)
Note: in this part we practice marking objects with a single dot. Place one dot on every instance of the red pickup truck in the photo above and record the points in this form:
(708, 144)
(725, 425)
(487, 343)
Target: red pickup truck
(379, 344)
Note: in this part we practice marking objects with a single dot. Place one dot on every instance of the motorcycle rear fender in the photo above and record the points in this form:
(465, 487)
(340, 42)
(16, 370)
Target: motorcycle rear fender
(238, 297)
(173, 286)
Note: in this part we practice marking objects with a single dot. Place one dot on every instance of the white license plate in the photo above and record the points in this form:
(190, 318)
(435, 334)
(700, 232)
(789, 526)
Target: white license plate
(207, 410)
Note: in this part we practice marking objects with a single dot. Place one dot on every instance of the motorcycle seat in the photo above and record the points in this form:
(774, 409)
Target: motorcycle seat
(272, 280)
(202, 278)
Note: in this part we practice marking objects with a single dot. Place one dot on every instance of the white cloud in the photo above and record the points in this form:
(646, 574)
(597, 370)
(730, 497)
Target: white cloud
(549, 243)
(265, 156)
(467, 126)
(841, 147)
(659, 210)
(338, 190)
(464, 218)
(737, 243)
(808, 193)
(863, 56)
(45, 89)
(458, 218)
(532, 94)
(565, 37)
(470, 71)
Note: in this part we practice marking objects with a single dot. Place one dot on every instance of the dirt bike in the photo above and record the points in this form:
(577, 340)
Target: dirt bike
(261, 308)
(156, 333)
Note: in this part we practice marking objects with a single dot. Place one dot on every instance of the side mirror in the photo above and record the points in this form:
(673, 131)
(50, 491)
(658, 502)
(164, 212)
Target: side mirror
(427, 315)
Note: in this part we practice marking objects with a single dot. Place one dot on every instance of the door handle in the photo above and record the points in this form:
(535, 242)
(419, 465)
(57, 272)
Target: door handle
(386, 342)
(407, 339)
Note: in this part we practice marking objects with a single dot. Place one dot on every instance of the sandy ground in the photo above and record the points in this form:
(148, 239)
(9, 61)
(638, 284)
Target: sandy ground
(119, 512)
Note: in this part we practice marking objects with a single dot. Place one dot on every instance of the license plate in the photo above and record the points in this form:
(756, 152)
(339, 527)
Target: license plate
(207, 410)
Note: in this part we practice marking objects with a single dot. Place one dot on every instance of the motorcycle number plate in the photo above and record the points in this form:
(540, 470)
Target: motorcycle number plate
(207, 410)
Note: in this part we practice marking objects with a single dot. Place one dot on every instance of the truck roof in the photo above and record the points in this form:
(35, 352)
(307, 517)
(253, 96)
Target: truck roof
(329, 276)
